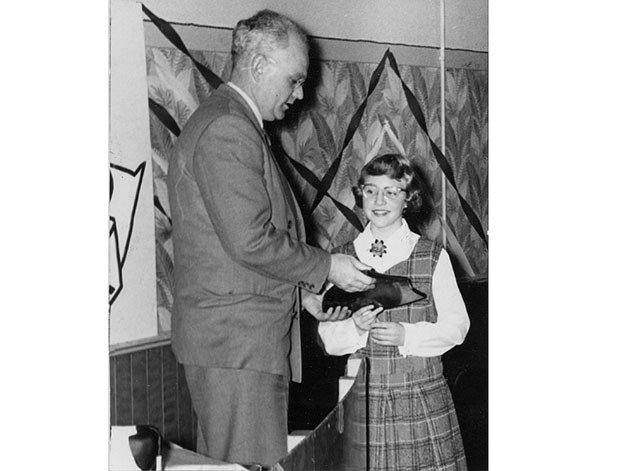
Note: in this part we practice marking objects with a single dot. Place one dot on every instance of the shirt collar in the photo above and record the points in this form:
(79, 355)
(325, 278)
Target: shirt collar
(249, 101)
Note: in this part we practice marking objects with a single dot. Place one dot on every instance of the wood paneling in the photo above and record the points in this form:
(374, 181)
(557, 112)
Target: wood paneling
(122, 392)
(155, 389)
(112, 391)
(139, 388)
(148, 387)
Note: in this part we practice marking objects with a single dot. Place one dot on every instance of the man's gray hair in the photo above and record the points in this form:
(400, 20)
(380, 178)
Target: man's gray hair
(264, 31)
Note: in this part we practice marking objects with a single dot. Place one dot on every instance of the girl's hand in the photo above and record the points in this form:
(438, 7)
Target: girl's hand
(313, 304)
(333, 314)
(364, 317)
(388, 333)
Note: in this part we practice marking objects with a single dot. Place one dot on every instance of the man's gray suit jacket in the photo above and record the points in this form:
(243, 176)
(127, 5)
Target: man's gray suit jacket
(238, 240)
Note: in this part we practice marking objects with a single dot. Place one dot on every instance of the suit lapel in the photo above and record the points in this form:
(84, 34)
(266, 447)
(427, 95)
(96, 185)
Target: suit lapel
(298, 230)
(288, 192)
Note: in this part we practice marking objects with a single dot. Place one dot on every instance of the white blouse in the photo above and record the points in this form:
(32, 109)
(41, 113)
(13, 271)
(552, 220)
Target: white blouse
(423, 339)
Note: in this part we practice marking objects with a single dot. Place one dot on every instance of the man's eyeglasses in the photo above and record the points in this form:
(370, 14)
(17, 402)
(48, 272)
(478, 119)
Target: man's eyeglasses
(390, 192)
(295, 83)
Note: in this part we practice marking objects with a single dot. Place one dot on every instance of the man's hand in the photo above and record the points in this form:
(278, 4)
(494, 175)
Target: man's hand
(388, 333)
(313, 302)
(345, 273)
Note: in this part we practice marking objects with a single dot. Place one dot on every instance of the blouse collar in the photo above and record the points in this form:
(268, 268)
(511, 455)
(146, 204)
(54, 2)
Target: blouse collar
(388, 251)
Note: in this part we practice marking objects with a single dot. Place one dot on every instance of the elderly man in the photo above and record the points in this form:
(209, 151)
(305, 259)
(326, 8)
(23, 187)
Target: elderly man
(239, 250)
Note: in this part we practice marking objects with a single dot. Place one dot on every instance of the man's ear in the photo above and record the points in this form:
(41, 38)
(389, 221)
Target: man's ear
(257, 66)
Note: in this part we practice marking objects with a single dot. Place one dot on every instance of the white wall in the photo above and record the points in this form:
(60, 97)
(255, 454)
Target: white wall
(133, 313)
(411, 22)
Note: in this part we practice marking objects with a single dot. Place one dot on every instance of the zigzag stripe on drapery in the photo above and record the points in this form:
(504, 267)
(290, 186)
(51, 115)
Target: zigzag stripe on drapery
(353, 125)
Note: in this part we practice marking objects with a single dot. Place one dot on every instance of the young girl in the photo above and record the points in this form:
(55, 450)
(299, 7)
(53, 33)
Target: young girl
(411, 422)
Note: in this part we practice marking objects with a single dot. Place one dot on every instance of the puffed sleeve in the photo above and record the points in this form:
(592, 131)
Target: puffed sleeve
(341, 337)
(426, 339)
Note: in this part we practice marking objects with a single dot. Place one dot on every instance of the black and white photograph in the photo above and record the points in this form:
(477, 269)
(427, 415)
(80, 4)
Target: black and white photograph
(310, 236)
(298, 235)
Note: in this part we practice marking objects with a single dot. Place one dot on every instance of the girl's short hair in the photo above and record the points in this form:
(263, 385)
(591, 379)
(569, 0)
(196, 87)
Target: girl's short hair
(419, 210)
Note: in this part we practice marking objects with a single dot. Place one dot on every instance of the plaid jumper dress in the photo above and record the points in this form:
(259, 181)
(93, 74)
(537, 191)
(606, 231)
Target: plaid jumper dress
(412, 423)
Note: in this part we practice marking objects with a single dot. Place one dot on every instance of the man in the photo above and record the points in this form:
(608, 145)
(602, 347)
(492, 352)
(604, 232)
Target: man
(239, 251)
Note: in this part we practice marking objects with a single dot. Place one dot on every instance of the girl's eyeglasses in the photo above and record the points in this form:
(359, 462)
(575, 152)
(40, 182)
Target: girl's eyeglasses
(390, 192)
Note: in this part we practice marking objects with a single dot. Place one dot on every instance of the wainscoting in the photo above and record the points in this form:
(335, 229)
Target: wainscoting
(148, 387)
